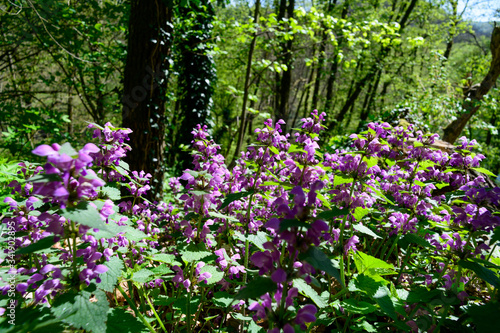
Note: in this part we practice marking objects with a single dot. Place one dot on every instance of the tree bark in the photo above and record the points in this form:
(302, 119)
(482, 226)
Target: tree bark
(145, 83)
(474, 95)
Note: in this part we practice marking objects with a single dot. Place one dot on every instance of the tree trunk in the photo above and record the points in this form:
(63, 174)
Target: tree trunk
(474, 95)
(145, 82)
(241, 132)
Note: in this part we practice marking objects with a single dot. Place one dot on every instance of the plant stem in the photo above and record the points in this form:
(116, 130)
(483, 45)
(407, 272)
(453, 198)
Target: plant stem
(134, 308)
(154, 312)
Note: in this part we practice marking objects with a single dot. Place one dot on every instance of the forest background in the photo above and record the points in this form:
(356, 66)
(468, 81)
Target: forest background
(162, 67)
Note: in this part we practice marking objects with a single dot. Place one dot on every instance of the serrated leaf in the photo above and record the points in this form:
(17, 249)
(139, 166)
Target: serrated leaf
(485, 171)
(408, 239)
(86, 215)
(111, 192)
(335, 212)
(124, 165)
(222, 216)
(164, 257)
(161, 270)
(235, 196)
(341, 179)
(485, 317)
(365, 230)
(142, 276)
(308, 291)
(481, 271)
(44, 178)
(110, 278)
(82, 313)
(42, 244)
(360, 212)
(274, 150)
(371, 266)
(134, 234)
(120, 320)
(256, 288)
(320, 261)
(194, 253)
(223, 299)
(258, 240)
(381, 296)
(354, 306)
(182, 303)
(67, 149)
(217, 275)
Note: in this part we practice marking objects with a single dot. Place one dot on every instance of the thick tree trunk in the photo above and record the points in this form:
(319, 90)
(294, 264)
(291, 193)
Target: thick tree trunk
(474, 95)
(145, 81)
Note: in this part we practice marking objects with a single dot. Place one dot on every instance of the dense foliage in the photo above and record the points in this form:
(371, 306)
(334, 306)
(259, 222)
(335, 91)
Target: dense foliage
(392, 234)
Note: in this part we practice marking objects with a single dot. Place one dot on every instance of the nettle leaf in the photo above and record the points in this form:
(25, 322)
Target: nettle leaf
(164, 257)
(42, 244)
(85, 214)
(162, 270)
(122, 321)
(383, 299)
(360, 212)
(223, 299)
(368, 284)
(258, 240)
(194, 253)
(481, 271)
(335, 212)
(142, 276)
(365, 230)
(111, 192)
(134, 234)
(485, 317)
(182, 303)
(217, 275)
(223, 216)
(235, 196)
(421, 294)
(256, 288)
(342, 179)
(485, 171)
(495, 237)
(82, 313)
(67, 149)
(371, 266)
(292, 223)
(320, 261)
(44, 178)
(110, 278)
(308, 291)
(408, 239)
(354, 306)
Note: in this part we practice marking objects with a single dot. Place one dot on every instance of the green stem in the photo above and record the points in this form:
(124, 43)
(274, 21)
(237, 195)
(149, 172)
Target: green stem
(392, 247)
(405, 261)
(134, 308)
(154, 312)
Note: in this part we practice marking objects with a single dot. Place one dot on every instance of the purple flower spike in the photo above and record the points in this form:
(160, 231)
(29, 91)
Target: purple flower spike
(279, 276)
(306, 315)
(351, 244)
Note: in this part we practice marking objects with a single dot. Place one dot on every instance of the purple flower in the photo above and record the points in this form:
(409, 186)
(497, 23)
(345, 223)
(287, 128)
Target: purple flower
(306, 315)
(351, 244)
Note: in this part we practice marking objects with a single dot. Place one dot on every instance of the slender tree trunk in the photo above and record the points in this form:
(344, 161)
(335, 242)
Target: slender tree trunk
(145, 84)
(474, 95)
(241, 132)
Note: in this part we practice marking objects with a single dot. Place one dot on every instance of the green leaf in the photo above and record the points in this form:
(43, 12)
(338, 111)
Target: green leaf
(134, 234)
(408, 239)
(181, 304)
(44, 178)
(143, 276)
(274, 150)
(42, 244)
(383, 299)
(67, 149)
(217, 275)
(485, 171)
(258, 240)
(360, 212)
(292, 223)
(256, 288)
(110, 278)
(79, 311)
(330, 214)
(421, 294)
(235, 196)
(308, 291)
(86, 215)
(371, 266)
(161, 270)
(164, 257)
(341, 179)
(354, 306)
(320, 261)
(223, 299)
(120, 320)
(111, 192)
(194, 253)
(365, 230)
(481, 271)
(485, 317)
(222, 216)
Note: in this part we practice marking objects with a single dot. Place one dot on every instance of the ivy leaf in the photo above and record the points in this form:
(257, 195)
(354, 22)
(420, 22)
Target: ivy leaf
(82, 313)
(308, 291)
(110, 278)
(256, 288)
(120, 320)
(235, 196)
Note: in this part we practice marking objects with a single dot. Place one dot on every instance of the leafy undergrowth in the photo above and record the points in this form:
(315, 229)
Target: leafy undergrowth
(391, 235)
